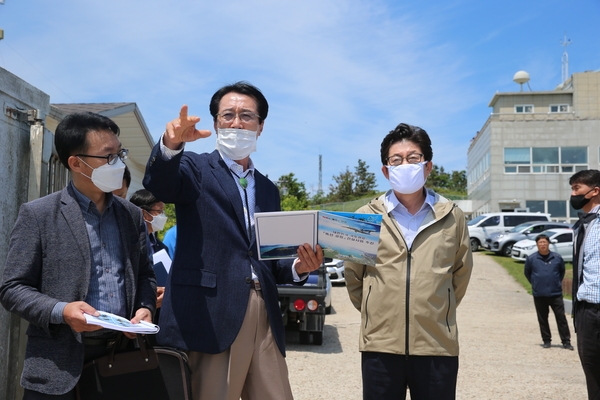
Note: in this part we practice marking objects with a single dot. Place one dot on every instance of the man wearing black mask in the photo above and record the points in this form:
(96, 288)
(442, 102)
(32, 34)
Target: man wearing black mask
(585, 195)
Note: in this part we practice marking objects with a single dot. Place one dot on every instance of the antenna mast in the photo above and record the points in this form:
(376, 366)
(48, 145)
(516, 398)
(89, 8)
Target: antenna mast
(320, 175)
(565, 58)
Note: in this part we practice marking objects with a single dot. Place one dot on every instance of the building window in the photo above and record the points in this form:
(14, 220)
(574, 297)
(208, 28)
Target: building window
(535, 206)
(524, 108)
(557, 208)
(540, 160)
(559, 108)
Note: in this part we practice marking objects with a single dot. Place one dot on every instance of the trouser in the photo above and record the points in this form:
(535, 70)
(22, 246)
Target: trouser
(587, 326)
(386, 376)
(253, 368)
(542, 305)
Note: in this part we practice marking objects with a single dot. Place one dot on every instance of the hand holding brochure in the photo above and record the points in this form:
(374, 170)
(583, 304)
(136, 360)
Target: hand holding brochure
(347, 236)
(112, 321)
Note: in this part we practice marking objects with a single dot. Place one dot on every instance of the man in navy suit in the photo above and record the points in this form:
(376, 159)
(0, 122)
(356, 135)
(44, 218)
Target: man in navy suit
(221, 302)
(74, 252)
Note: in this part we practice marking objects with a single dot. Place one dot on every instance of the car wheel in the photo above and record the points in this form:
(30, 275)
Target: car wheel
(507, 250)
(317, 338)
(474, 244)
(304, 337)
(328, 310)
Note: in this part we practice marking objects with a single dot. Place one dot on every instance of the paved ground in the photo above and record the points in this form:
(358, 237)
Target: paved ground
(501, 354)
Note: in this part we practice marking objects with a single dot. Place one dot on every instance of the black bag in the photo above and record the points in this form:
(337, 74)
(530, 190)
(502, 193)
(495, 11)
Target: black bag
(128, 375)
(175, 372)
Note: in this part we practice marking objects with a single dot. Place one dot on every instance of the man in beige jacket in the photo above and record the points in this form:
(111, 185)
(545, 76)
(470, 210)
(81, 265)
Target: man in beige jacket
(408, 300)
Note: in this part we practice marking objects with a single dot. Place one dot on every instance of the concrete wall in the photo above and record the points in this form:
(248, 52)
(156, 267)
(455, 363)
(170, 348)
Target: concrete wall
(16, 95)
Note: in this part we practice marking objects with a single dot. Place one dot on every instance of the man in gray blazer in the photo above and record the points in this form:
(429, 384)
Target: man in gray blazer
(74, 252)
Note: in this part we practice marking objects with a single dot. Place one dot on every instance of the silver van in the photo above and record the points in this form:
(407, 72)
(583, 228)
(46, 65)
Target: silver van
(485, 224)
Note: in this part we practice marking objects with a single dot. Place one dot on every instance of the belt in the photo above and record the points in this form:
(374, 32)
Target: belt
(255, 285)
(593, 306)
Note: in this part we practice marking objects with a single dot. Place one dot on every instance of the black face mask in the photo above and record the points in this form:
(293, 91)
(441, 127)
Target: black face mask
(579, 201)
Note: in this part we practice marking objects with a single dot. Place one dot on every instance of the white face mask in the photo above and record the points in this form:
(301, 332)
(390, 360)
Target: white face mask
(407, 178)
(158, 222)
(236, 144)
(107, 177)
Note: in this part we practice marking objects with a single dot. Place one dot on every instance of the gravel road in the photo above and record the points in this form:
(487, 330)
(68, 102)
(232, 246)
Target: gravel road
(501, 354)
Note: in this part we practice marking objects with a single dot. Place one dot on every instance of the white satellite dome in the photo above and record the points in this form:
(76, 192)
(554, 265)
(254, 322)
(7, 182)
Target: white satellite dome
(521, 77)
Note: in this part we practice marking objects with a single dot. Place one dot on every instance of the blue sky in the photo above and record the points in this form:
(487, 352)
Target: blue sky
(338, 74)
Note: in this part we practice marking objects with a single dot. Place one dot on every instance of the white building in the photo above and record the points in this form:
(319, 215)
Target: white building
(525, 153)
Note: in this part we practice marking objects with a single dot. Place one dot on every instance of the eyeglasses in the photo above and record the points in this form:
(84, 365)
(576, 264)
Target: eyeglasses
(246, 116)
(150, 211)
(413, 158)
(111, 159)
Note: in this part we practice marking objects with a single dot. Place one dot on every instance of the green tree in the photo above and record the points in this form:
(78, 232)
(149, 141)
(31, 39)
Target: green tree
(343, 189)
(458, 181)
(172, 220)
(293, 193)
(438, 178)
(364, 180)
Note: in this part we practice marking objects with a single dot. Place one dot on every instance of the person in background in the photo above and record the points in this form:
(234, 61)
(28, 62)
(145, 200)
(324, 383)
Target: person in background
(408, 300)
(221, 302)
(122, 192)
(155, 218)
(585, 196)
(170, 240)
(545, 271)
(74, 252)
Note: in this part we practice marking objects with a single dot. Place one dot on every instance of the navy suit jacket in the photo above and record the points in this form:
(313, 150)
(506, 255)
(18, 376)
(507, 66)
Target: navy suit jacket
(49, 261)
(209, 285)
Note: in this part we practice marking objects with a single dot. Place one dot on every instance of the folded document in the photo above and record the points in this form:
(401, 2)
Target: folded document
(114, 322)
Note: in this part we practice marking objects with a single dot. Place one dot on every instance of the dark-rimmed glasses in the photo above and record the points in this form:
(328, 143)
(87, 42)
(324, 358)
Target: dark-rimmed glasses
(413, 158)
(111, 159)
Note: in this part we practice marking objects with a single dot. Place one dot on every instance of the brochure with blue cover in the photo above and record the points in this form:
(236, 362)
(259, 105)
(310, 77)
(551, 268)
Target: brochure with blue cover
(344, 235)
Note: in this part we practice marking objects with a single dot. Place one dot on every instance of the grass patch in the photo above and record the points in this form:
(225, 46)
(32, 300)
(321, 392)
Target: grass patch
(516, 270)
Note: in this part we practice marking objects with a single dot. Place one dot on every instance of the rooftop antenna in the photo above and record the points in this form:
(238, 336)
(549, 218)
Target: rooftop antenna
(522, 77)
(320, 174)
(565, 58)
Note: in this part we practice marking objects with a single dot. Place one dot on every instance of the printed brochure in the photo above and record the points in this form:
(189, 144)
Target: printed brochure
(344, 235)
(117, 323)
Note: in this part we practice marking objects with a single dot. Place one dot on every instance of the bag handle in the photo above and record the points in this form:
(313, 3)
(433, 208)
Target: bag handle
(141, 341)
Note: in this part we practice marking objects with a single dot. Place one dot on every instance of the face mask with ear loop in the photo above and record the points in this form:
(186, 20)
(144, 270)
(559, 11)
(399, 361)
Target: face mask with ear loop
(407, 178)
(107, 177)
(236, 144)
(158, 221)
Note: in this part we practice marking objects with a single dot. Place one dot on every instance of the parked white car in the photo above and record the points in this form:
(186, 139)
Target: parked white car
(335, 270)
(561, 242)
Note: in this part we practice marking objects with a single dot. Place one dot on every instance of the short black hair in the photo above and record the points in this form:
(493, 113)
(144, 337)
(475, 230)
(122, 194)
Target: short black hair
(144, 199)
(127, 176)
(589, 177)
(70, 137)
(241, 87)
(542, 236)
(407, 132)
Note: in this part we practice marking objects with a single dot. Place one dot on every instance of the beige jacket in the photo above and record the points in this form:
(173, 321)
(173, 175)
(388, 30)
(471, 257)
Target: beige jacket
(408, 300)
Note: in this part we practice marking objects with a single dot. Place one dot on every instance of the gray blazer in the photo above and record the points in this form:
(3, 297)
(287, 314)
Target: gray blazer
(49, 261)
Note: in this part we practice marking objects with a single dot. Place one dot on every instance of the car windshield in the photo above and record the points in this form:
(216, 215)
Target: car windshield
(549, 233)
(521, 227)
(476, 220)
